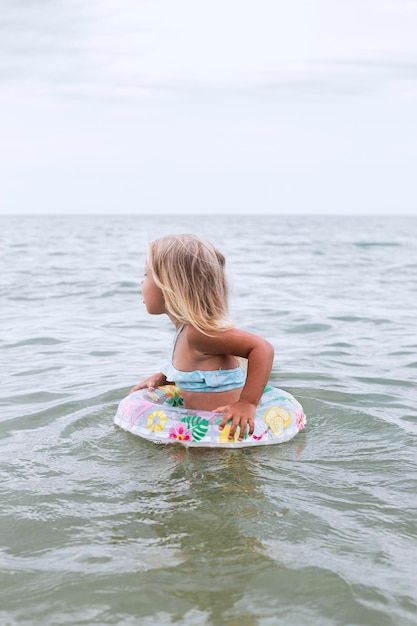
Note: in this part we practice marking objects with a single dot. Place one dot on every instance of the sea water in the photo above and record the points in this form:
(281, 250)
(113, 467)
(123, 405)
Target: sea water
(100, 527)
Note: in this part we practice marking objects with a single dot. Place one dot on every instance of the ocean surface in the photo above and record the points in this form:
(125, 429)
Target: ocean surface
(100, 527)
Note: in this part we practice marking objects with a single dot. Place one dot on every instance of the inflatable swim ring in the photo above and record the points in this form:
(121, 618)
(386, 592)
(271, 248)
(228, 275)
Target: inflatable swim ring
(160, 416)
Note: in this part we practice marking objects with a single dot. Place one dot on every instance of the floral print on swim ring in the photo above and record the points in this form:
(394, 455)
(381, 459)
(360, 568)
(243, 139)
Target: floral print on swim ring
(159, 416)
(156, 421)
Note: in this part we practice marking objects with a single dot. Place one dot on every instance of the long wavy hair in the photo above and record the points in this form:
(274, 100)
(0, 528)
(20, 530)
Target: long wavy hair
(191, 275)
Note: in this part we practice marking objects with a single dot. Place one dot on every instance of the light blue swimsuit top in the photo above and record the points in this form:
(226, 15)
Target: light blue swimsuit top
(203, 380)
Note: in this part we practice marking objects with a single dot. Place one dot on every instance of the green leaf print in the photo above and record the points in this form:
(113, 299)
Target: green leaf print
(197, 425)
(175, 400)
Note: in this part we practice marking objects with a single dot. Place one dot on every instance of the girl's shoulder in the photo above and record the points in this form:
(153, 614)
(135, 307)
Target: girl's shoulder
(195, 334)
(218, 341)
(233, 341)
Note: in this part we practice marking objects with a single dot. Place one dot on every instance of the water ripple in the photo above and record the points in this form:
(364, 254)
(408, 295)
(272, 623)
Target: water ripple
(101, 527)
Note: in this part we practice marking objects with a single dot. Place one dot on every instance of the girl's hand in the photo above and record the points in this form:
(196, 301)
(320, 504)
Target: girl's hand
(241, 413)
(150, 383)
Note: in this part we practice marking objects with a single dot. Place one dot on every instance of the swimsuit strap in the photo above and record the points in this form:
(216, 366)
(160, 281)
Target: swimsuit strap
(174, 341)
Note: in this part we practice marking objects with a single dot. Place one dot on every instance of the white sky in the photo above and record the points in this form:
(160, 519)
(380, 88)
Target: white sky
(187, 106)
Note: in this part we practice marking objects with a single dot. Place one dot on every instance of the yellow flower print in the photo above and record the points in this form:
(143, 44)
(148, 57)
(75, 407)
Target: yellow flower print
(277, 419)
(171, 390)
(174, 394)
(156, 421)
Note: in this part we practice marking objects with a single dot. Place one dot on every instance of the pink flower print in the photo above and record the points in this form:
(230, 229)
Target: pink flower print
(180, 432)
(300, 422)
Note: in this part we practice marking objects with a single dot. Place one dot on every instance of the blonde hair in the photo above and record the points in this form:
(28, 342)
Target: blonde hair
(191, 275)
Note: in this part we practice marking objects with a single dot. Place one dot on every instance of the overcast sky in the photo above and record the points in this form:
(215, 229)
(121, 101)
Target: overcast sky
(214, 106)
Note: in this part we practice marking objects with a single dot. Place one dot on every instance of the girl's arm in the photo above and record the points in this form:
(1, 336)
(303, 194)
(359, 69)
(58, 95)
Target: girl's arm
(156, 380)
(260, 356)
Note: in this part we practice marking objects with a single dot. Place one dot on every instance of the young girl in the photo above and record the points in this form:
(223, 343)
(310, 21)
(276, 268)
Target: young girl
(185, 279)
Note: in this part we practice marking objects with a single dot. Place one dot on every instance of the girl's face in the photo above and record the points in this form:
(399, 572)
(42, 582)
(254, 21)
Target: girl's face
(152, 295)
